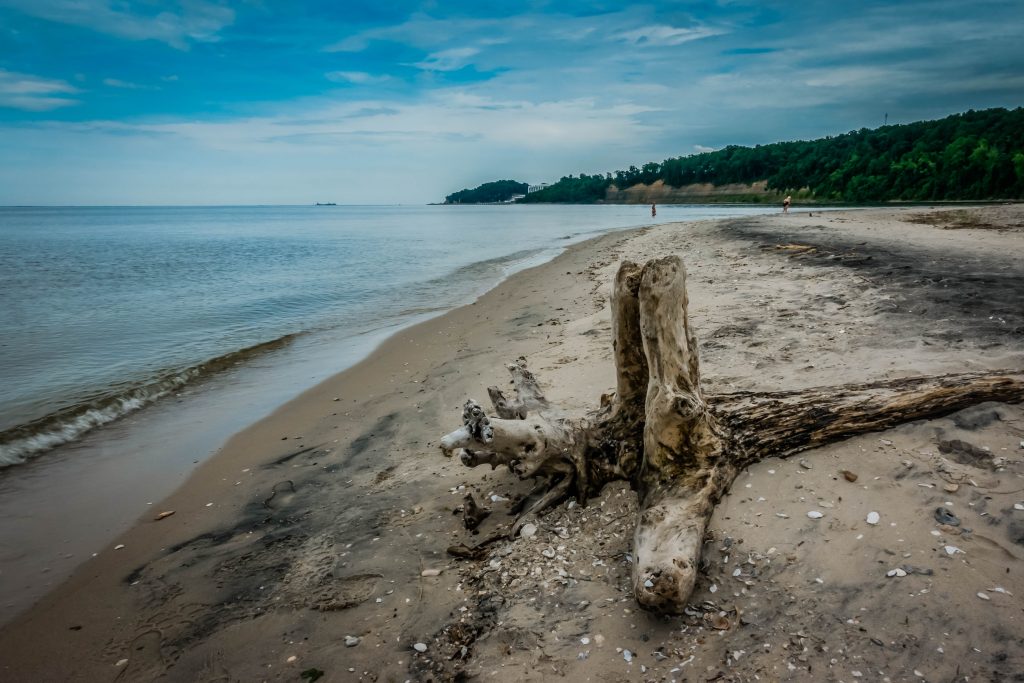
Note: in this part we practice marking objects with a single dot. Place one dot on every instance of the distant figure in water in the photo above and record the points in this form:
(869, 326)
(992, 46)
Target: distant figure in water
(654, 211)
(785, 204)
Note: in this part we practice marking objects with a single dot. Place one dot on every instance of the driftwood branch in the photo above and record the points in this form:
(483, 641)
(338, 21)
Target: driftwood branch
(679, 449)
(783, 423)
(528, 396)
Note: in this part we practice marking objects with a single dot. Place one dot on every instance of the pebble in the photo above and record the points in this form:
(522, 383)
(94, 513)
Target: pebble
(806, 465)
(627, 655)
(163, 515)
(420, 647)
(848, 475)
(897, 572)
(121, 662)
(984, 596)
(952, 550)
(946, 516)
(291, 659)
(118, 546)
(814, 514)
(951, 488)
(528, 531)
(1018, 506)
(352, 641)
(548, 553)
(873, 517)
(585, 640)
(431, 572)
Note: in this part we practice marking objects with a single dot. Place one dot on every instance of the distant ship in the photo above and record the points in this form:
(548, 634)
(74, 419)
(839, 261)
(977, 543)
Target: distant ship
(326, 204)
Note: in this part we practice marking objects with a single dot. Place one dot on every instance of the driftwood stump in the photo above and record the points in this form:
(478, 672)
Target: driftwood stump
(679, 449)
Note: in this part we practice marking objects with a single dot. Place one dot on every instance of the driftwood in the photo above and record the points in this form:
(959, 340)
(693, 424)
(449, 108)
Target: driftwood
(679, 449)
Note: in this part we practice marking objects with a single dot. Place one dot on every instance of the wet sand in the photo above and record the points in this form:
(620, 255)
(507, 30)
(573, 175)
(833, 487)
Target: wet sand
(317, 523)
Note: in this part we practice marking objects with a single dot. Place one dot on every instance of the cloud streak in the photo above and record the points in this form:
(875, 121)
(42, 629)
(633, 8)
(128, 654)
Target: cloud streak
(187, 21)
(33, 93)
(356, 77)
(662, 36)
(448, 60)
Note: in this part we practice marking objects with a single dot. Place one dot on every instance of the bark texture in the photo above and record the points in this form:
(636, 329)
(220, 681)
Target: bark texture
(679, 449)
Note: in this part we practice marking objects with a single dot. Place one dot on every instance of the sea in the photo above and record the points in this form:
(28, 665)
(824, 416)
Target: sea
(134, 341)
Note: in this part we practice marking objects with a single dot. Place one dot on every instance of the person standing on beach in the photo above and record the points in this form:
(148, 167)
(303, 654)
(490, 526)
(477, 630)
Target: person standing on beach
(785, 203)
(654, 210)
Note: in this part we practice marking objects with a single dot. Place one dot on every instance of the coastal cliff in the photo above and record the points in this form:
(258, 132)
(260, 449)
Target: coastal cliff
(697, 193)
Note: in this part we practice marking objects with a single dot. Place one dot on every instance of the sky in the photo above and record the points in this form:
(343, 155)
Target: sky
(376, 102)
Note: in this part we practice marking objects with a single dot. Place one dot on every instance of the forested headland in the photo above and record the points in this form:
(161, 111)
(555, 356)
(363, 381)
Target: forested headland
(971, 156)
(488, 193)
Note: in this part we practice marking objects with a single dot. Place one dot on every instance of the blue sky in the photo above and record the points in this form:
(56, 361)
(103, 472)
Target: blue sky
(208, 102)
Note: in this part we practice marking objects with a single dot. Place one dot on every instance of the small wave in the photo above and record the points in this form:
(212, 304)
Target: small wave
(25, 441)
(492, 266)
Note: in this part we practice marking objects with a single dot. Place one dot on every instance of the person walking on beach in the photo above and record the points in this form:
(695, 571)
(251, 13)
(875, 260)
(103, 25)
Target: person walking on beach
(785, 203)
(654, 210)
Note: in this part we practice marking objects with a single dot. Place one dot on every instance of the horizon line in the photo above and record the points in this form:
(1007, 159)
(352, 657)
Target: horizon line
(193, 206)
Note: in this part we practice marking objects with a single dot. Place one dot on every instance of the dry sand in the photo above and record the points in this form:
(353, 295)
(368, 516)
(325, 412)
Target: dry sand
(317, 523)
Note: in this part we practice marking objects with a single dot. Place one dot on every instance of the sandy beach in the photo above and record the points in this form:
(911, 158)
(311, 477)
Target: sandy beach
(315, 540)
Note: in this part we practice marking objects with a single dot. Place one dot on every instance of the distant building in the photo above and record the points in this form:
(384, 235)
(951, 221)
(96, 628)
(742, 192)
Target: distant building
(535, 188)
(515, 197)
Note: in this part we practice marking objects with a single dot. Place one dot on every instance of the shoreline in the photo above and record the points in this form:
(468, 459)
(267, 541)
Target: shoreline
(324, 514)
(37, 477)
(260, 445)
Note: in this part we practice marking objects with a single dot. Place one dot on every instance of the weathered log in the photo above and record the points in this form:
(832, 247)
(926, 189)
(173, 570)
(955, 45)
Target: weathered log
(679, 449)
(786, 422)
(685, 466)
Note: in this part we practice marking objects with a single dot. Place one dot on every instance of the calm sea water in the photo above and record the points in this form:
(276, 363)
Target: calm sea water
(104, 311)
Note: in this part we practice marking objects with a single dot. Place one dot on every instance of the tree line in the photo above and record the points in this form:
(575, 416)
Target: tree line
(488, 193)
(973, 155)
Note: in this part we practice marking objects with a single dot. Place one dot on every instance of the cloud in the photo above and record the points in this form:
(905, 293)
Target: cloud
(34, 93)
(188, 21)
(667, 35)
(448, 60)
(118, 83)
(445, 116)
(356, 77)
(425, 32)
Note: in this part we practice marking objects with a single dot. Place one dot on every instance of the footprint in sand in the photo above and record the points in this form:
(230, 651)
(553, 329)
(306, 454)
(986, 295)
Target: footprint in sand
(145, 659)
(213, 670)
(346, 592)
(281, 495)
